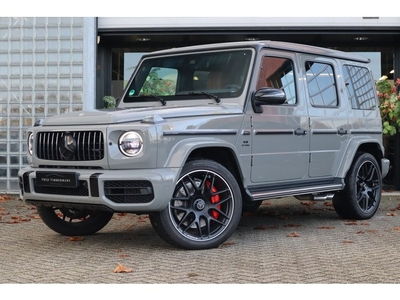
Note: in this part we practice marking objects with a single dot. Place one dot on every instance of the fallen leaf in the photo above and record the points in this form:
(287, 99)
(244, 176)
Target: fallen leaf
(292, 225)
(75, 239)
(347, 242)
(18, 219)
(326, 227)
(396, 228)
(350, 223)
(122, 269)
(228, 244)
(328, 203)
(307, 203)
(261, 227)
(393, 214)
(364, 223)
(34, 216)
(293, 234)
(192, 275)
(124, 255)
(141, 219)
(4, 198)
(13, 222)
(360, 232)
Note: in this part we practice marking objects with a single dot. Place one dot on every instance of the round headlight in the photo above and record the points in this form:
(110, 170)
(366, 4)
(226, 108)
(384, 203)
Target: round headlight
(130, 143)
(30, 143)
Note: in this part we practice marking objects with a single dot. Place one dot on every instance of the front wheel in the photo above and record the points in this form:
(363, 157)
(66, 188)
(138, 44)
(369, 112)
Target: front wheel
(205, 208)
(362, 195)
(74, 222)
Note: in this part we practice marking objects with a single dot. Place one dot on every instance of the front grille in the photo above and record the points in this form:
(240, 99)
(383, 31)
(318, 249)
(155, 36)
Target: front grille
(81, 190)
(70, 167)
(89, 145)
(129, 191)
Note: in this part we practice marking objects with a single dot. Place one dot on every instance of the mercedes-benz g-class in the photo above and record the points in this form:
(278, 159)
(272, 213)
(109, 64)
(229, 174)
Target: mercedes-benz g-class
(203, 133)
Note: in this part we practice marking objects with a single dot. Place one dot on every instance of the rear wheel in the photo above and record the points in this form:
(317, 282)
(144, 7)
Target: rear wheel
(73, 222)
(205, 208)
(362, 195)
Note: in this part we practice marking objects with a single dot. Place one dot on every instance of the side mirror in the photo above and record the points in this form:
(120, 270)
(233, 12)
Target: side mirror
(267, 96)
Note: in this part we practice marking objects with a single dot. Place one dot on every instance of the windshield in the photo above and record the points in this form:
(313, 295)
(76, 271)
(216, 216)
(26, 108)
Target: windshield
(215, 75)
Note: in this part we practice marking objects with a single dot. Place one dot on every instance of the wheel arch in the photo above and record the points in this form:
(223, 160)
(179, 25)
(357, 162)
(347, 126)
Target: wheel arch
(356, 146)
(216, 150)
(223, 155)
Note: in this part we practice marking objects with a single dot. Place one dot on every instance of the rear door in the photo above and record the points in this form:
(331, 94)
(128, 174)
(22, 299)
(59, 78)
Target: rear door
(329, 126)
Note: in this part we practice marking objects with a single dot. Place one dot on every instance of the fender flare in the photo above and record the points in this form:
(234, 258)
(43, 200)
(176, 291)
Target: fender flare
(181, 151)
(352, 148)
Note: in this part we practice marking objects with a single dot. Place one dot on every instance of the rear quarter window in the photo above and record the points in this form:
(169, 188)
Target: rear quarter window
(359, 86)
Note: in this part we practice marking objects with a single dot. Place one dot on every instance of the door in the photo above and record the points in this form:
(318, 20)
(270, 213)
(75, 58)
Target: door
(329, 126)
(280, 139)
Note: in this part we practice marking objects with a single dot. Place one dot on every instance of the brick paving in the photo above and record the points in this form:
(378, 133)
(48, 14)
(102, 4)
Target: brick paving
(285, 241)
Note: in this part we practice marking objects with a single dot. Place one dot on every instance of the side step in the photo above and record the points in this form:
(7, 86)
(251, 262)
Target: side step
(316, 197)
(320, 192)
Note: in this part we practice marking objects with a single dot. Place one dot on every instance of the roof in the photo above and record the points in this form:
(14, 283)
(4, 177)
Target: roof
(293, 47)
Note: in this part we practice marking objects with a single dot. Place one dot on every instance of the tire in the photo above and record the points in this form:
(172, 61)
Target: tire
(362, 195)
(205, 208)
(71, 222)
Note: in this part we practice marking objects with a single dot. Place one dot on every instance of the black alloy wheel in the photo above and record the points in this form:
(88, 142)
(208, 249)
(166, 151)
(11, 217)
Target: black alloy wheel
(204, 210)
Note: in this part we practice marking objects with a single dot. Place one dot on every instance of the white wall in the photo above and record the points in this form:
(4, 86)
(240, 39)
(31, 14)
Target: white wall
(206, 22)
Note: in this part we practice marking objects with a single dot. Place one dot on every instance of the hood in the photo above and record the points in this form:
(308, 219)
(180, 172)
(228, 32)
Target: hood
(107, 116)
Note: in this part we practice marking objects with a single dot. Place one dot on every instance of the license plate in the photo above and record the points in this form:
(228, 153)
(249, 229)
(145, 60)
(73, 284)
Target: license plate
(67, 179)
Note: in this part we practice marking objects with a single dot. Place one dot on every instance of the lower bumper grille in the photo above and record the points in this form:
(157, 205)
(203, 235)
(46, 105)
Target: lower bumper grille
(81, 190)
(129, 191)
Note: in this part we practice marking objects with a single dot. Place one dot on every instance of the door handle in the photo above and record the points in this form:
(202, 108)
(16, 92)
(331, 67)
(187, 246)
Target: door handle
(300, 131)
(342, 131)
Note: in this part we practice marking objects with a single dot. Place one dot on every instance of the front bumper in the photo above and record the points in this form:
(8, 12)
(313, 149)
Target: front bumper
(115, 190)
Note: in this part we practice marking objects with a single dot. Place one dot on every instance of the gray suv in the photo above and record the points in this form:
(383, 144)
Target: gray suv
(203, 133)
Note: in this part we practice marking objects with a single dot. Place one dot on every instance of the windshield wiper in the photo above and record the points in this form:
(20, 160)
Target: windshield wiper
(211, 96)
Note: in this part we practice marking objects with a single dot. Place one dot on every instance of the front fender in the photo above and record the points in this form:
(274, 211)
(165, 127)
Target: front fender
(181, 151)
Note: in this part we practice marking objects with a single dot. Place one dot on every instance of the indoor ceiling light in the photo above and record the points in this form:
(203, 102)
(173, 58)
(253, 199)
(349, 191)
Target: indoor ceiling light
(361, 38)
(143, 39)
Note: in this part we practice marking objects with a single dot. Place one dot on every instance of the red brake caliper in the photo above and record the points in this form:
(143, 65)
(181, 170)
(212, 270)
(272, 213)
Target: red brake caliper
(214, 199)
